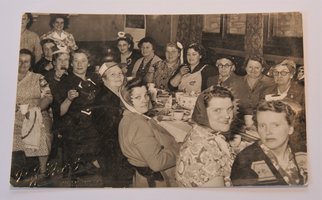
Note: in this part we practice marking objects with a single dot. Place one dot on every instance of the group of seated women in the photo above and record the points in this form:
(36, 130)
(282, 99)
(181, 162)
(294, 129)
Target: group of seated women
(100, 120)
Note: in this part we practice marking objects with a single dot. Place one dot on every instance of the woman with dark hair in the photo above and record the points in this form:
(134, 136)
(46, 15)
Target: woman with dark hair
(32, 136)
(145, 66)
(44, 65)
(194, 76)
(205, 156)
(128, 55)
(147, 146)
(272, 160)
(28, 39)
(58, 23)
(107, 113)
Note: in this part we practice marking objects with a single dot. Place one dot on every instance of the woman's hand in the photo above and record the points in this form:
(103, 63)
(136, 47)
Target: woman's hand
(184, 70)
(59, 73)
(72, 94)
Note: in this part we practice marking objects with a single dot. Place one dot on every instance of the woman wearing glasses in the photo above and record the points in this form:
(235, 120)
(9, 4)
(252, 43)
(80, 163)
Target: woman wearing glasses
(284, 86)
(226, 76)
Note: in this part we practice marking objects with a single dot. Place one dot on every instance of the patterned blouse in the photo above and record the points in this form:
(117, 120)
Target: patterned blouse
(290, 173)
(163, 72)
(64, 40)
(204, 155)
(30, 40)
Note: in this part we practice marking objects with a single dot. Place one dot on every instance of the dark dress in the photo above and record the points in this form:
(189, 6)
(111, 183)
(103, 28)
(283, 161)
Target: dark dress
(40, 66)
(130, 61)
(253, 159)
(207, 72)
(80, 136)
(107, 113)
(250, 97)
(55, 107)
(296, 92)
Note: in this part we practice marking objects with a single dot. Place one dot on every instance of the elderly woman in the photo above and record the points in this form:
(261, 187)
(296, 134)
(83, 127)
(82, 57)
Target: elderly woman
(145, 66)
(251, 87)
(226, 76)
(129, 56)
(165, 69)
(107, 113)
(284, 86)
(205, 156)
(80, 137)
(272, 160)
(194, 76)
(32, 136)
(58, 23)
(147, 146)
(28, 39)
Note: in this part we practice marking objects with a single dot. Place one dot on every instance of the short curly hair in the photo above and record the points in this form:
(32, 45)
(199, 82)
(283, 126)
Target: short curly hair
(32, 57)
(217, 91)
(148, 40)
(278, 106)
(53, 18)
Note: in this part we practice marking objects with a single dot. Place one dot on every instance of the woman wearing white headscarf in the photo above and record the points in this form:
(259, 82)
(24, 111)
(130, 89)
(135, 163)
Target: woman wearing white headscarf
(148, 147)
(107, 113)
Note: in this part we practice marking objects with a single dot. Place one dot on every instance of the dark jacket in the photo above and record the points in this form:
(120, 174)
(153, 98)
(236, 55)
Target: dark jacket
(242, 173)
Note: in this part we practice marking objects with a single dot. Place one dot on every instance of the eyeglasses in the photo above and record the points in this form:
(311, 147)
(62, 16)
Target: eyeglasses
(225, 66)
(283, 73)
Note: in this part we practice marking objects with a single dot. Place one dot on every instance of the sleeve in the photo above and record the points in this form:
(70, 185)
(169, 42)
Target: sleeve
(62, 89)
(199, 162)
(209, 71)
(156, 156)
(44, 88)
(172, 88)
(38, 49)
(136, 67)
(241, 172)
(71, 42)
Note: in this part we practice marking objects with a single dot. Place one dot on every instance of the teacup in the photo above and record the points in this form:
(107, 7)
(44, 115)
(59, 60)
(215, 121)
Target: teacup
(248, 120)
(129, 78)
(24, 108)
(178, 96)
(236, 141)
(178, 114)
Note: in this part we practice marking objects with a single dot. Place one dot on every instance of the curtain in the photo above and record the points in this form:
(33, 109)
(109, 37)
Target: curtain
(189, 29)
(254, 41)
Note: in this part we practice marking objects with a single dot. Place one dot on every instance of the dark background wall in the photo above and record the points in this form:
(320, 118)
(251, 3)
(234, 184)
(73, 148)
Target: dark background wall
(256, 35)
(95, 28)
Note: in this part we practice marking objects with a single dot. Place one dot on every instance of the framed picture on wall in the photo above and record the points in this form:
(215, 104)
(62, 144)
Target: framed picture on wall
(136, 26)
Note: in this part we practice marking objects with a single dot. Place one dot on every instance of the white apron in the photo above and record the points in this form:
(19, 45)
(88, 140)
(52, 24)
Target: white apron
(191, 82)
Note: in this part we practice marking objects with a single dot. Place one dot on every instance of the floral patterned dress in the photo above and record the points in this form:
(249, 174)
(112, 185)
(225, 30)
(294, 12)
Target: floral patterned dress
(30, 90)
(204, 155)
(64, 40)
(162, 74)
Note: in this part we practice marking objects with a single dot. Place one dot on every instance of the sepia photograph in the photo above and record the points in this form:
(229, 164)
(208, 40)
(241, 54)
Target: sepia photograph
(143, 101)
